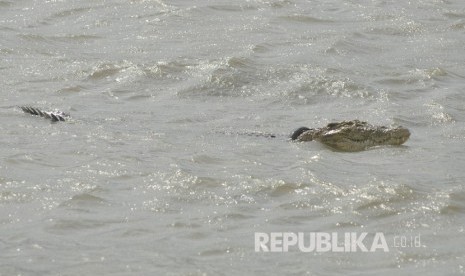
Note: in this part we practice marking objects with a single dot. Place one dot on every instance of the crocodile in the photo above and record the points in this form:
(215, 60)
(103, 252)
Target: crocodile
(54, 116)
(353, 135)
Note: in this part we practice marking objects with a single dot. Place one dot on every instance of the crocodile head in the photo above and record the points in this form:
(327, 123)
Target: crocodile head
(355, 135)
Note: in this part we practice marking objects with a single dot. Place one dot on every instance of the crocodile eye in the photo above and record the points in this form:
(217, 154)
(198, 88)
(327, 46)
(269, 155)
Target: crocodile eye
(298, 132)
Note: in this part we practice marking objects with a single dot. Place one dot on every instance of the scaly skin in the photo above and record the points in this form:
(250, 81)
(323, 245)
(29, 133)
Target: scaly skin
(55, 116)
(353, 135)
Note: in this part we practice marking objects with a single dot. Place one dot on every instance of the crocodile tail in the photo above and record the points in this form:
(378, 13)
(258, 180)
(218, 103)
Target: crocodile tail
(52, 115)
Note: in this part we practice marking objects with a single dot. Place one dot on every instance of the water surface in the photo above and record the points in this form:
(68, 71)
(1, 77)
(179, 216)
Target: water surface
(153, 174)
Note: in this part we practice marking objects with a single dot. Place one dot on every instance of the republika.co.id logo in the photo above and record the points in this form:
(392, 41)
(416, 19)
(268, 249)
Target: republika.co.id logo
(330, 242)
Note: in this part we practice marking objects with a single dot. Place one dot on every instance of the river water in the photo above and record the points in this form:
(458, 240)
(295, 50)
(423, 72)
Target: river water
(153, 175)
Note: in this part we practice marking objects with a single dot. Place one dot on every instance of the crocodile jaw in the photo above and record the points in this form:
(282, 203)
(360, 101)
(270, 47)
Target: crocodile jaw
(357, 139)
